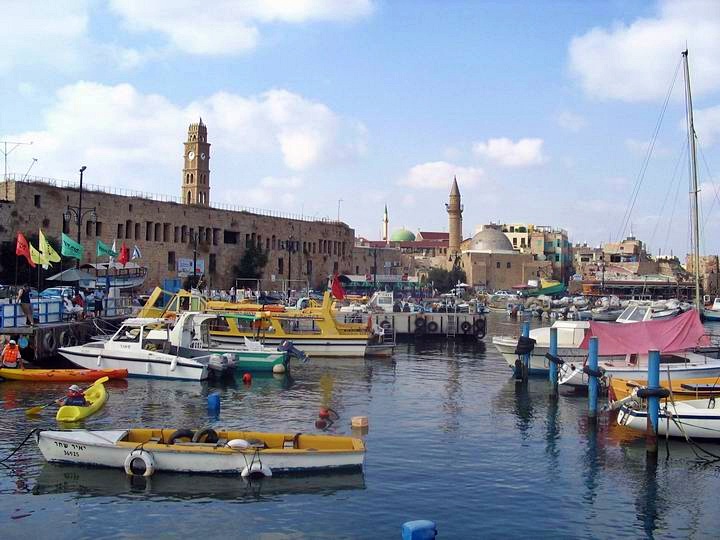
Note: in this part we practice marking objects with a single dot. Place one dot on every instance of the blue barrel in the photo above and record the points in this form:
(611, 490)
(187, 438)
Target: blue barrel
(214, 403)
(420, 529)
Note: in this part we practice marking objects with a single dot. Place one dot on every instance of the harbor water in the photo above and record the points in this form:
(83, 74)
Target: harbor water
(452, 438)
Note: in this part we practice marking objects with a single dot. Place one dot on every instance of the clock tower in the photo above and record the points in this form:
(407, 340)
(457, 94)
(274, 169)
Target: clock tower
(196, 170)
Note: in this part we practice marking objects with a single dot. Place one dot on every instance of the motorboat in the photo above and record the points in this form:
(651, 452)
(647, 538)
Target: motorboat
(141, 452)
(682, 390)
(693, 419)
(712, 313)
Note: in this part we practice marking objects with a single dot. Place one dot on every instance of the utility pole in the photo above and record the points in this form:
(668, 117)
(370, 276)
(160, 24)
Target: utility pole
(6, 152)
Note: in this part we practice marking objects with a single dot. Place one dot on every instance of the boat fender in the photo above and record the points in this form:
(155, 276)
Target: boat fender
(420, 322)
(385, 325)
(554, 359)
(420, 330)
(64, 339)
(480, 328)
(465, 327)
(139, 463)
(432, 327)
(256, 470)
(181, 434)
(209, 435)
(73, 340)
(525, 345)
(49, 343)
(599, 373)
(653, 392)
(173, 363)
(238, 444)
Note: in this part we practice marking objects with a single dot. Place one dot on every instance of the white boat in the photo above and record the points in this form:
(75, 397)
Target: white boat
(144, 451)
(143, 354)
(108, 276)
(696, 418)
(712, 313)
(570, 336)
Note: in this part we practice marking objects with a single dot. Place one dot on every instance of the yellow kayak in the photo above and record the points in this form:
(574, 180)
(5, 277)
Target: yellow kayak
(96, 396)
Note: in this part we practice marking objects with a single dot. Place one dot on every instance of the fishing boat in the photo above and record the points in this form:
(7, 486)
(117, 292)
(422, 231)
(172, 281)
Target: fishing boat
(61, 375)
(315, 330)
(685, 350)
(143, 451)
(115, 275)
(694, 419)
(96, 396)
(682, 390)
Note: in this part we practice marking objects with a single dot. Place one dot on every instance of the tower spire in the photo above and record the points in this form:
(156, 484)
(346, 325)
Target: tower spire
(454, 209)
(386, 221)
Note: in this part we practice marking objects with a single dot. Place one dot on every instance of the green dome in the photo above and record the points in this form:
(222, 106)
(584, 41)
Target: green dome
(402, 235)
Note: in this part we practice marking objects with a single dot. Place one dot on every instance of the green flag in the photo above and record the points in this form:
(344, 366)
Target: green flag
(103, 250)
(70, 248)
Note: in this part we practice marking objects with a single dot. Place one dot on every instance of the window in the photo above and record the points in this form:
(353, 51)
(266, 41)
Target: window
(335, 267)
(130, 207)
(158, 232)
(230, 237)
(212, 263)
(148, 230)
(88, 228)
(508, 265)
(177, 234)
(514, 241)
(189, 197)
(37, 201)
(171, 260)
(98, 228)
(247, 240)
(357, 269)
(128, 228)
(281, 268)
(166, 232)
(216, 235)
(137, 231)
(273, 242)
(267, 244)
(309, 267)
(183, 234)
(120, 230)
(497, 264)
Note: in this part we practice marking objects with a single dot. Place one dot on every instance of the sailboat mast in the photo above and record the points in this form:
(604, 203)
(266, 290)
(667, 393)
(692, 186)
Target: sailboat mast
(693, 178)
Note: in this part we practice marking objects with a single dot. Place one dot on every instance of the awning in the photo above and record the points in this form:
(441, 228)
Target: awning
(72, 275)
(676, 334)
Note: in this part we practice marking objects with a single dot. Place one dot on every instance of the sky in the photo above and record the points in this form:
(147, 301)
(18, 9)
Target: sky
(543, 110)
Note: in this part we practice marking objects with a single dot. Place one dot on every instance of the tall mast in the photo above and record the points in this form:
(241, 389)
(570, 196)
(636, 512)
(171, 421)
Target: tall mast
(693, 178)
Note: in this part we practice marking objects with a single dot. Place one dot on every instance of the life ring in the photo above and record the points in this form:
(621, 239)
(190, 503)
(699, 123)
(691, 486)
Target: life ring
(49, 343)
(465, 327)
(209, 434)
(256, 470)
(420, 322)
(64, 338)
(480, 328)
(181, 434)
(385, 325)
(432, 327)
(139, 463)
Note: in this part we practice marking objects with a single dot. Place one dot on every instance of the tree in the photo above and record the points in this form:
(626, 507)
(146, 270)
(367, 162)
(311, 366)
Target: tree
(252, 262)
(444, 280)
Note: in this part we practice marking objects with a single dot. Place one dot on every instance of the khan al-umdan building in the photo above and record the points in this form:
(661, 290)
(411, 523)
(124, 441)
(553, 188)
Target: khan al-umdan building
(165, 230)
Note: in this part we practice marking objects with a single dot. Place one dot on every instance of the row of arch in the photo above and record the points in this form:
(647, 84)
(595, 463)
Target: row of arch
(190, 178)
(201, 198)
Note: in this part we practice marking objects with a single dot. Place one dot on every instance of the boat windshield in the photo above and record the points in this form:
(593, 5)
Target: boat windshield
(130, 334)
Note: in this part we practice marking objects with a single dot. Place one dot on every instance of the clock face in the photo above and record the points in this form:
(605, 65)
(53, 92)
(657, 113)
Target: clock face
(191, 155)
(202, 156)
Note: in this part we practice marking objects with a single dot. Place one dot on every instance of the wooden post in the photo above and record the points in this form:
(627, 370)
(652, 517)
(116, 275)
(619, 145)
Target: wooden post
(553, 371)
(526, 356)
(653, 407)
(593, 383)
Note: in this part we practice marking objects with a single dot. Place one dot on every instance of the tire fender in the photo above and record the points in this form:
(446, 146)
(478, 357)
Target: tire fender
(139, 463)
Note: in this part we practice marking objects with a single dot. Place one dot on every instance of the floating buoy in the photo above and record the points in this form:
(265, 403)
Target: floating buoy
(359, 421)
(139, 463)
(247, 378)
(279, 368)
(324, 413)
(213, 403)
(256, 470)
(320, 424)
(421, 529)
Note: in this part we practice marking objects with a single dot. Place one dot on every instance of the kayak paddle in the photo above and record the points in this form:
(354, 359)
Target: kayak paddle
(39, 408)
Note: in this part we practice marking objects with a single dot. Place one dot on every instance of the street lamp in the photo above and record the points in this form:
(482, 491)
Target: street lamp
(291, 248)
(78, 213)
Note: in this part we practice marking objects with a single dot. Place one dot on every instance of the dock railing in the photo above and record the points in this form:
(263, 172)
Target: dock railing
(50, 311)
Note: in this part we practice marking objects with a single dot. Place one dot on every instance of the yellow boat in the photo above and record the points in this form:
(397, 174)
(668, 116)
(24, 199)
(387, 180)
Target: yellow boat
(314, 330)
(96, 396)
(682, 389)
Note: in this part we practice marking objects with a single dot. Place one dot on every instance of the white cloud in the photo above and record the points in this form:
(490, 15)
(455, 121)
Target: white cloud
(634, 62)
(228, 26)
(439, 175)
(522, 153)
(408, 200)
(571, 121)
(126, 137)
(707, 124)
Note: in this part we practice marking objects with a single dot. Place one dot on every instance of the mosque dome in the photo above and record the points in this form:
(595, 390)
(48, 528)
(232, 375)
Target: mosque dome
(490, 240)
(402, 235)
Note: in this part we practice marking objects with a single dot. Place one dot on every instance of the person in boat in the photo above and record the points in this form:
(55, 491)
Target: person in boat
(74, 396)
(11, 356)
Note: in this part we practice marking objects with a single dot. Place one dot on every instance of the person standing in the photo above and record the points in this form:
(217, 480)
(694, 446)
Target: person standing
(11, 356)
(233, 294)
(24, 298)
(98, 307)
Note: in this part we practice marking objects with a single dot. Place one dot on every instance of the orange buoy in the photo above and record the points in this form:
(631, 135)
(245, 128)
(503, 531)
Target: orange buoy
(247, 378)
(324, 413)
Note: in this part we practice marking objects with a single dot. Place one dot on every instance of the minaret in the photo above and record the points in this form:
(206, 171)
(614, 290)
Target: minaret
(196, 170)
(454, 210)
(386, 221)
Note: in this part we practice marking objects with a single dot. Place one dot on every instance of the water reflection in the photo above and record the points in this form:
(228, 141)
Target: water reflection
(92, 482)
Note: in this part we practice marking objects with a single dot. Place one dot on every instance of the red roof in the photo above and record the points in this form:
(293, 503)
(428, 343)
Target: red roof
(431, 235)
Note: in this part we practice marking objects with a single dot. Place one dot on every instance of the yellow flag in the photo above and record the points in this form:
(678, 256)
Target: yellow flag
(37, 257)
(47, 250)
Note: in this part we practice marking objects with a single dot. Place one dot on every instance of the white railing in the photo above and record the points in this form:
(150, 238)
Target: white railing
(161, 197)
(50, 311)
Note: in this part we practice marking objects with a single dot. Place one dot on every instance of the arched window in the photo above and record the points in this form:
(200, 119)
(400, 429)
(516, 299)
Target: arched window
(189, 197)
(273, 241)
(192, 178)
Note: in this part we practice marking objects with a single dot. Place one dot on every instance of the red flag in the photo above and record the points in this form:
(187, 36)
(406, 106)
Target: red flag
(336, 288)
(124, 254)
(22, 248)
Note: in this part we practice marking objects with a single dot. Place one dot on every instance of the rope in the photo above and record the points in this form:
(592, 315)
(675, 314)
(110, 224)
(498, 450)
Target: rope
(11, 454)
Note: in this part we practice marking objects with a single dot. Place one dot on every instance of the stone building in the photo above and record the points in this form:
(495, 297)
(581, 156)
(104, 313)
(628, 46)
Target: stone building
(166, 229)
(709, 273)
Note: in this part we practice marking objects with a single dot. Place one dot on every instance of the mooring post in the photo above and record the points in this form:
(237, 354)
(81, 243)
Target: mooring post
(593, 383)
(553, 366)
(526, 356)
(653, 401)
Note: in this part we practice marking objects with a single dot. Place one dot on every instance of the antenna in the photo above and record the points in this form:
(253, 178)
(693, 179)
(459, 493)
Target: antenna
(34, 160)
(7, 152)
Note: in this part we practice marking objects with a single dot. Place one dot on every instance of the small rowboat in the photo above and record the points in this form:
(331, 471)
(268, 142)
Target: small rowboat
(96, 396)
(61, 375)
(143, 451)
(696, 418)
(682, 389)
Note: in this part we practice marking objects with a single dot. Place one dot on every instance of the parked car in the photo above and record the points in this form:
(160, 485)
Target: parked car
(53, 293)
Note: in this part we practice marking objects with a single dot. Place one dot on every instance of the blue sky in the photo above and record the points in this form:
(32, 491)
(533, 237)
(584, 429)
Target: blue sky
(543, 110)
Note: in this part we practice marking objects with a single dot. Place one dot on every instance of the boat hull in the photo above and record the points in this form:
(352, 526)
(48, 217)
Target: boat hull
(157, 365)
(62, 375)
(539, 365)
(96, 396)
(575, 377)
(327, 347)
(101, 448)
(696, 422)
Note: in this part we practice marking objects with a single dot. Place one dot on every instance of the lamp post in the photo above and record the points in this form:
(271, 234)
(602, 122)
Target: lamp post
(195, 243)
(290, 249)
(77, 214)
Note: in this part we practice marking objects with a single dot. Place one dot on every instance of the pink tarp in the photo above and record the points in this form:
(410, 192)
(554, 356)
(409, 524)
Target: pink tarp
(666, 335)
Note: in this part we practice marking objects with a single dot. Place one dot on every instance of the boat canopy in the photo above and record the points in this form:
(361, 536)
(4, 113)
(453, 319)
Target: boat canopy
(144, 321)
(676, 334)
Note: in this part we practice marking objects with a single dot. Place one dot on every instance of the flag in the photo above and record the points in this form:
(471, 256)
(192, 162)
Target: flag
(47, 250)
(38, 258)
(70, 248)
(136, 253)
(112, 257)
(124, 254)
(336, 288)
(22, 248)
(103, 250)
